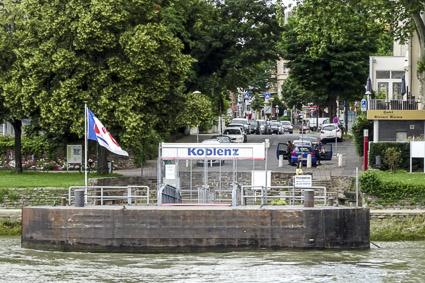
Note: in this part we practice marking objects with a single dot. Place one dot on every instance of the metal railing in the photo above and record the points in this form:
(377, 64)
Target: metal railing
(382, 104)
(205, 195)
(111, 193)
(291, 193)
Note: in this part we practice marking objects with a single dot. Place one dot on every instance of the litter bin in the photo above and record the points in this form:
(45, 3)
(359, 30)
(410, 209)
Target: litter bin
(378, 161)
(110, 167)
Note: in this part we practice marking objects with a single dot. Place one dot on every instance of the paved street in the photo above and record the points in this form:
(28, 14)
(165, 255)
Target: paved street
(328, 168)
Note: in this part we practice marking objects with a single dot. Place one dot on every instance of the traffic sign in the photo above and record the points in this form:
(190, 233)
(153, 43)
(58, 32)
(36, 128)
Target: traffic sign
(267, 96)
(285, 112)
(246, 96)
(335, 120)
(363, 105)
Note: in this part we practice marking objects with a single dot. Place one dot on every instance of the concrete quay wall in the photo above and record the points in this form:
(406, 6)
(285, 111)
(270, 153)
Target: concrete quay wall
(189, 229)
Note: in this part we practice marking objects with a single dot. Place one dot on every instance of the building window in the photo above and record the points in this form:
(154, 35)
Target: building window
(401, 136)
(397, 91)
(382, 74)
(397, 74)
(382, 90)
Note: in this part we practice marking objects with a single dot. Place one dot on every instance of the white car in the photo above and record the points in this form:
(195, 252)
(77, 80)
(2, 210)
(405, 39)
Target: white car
(330, 132)
(243, 122)
(235, 134)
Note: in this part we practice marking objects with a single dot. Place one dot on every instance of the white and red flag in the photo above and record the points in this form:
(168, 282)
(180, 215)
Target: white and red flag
(97, 132)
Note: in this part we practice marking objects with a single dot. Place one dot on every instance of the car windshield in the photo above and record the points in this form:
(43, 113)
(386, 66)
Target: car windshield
(274, 123)
(222, 139)
(254, 123)
(232, 132)
(262, 122)
(328, 128)
(240, 121)
(303, 149)
(286, 123)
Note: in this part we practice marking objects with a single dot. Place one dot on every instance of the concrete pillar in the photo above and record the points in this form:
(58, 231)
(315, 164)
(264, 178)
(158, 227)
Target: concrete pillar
(63, 201)
(375, 131)
(339, 155)
(308, 198)
(79, 198)
(308, 160)
(331, 201)
(280, 161)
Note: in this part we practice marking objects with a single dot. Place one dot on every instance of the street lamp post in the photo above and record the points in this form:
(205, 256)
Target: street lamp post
(277, 112)
(197, 122)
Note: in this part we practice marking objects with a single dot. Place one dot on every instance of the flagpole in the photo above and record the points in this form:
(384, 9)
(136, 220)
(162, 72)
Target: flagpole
(85, 150)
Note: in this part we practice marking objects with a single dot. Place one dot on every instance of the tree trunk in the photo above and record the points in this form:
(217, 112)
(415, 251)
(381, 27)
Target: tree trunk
(17, 127)
(102, 160)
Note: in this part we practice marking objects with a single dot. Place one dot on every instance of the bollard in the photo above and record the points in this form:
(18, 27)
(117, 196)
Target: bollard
(308, 160)
(331, 201)
(79, 198)
(308, 198)
(280, 161)
(339, 159)
(63, 201)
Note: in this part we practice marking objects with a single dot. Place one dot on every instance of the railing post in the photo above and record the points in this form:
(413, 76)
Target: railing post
(128, 195)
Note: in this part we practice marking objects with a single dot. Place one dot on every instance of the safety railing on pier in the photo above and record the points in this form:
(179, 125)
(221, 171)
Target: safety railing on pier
(382, 104)
(263, 195)
(112, 195)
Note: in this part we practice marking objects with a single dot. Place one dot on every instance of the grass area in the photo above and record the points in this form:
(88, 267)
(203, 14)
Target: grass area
(416, 178)
(8, 228)
(10, 179)
(398, 229)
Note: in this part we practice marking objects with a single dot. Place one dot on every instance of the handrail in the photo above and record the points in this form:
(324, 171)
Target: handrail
(293, 197)
(129, 189)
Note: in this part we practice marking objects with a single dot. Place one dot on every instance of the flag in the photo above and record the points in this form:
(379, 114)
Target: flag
(97, 132)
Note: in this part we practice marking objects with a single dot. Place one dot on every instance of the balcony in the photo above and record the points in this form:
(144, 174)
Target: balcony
(382, 104)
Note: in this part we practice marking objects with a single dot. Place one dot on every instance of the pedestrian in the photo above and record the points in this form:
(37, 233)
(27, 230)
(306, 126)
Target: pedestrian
(289, 150)
(317, 151)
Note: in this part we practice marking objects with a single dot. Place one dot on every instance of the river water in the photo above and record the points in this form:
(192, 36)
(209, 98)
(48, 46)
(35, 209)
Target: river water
(392, 262)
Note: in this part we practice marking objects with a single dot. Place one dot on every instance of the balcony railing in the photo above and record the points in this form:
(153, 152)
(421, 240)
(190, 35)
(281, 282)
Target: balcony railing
(382, 104)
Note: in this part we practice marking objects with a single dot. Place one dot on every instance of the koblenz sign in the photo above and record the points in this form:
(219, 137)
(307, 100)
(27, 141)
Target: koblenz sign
(225, 151)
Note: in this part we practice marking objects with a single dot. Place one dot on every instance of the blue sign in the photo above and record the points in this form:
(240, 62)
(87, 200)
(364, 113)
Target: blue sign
(193, 151)
(363, 105)
(285, 112)
(267, 96)
(335, 120)
(246, 96)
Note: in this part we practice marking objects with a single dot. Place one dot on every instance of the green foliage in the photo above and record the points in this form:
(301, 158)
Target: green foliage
(278, 202)
(379, 149)
(361, 124)
(9, 228)
(197, 110)
(391, 191)
(391, 158)
(6, 143)
(398, 229)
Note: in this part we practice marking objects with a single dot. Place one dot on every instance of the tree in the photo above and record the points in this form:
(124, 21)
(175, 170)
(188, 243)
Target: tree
(197, 110)
(336, 68)
(116, 55)
(228, 39)
(257, 103)
(12, 108)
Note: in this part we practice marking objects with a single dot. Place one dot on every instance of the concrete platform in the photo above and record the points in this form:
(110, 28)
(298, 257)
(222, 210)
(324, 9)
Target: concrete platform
(194, 229)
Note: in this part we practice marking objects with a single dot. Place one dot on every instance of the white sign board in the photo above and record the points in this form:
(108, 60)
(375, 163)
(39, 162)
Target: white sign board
(170, 171)
(225, 151)
(74, 154)
(258, 178)
(417, 150)
(302, 181)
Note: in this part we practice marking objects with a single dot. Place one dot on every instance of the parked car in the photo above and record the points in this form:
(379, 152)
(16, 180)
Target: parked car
(241, 127)
(264, 129)
(313, 123)
(222, 138)
(275, 127)
(312, 139)
(243, 122)
(235, 134)
(330, 132)
(303, 150)
(255, 126)
(326, 153)
(302, 142)
(201, 162)
(287, 126)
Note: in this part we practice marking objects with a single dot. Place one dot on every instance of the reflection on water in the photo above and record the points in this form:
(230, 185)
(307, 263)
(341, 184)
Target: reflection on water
(393, 262)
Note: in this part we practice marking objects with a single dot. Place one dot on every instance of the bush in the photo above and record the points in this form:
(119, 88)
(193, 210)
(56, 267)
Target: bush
(391, 158)
(379, 149)
(361, 124)
(390, 192)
